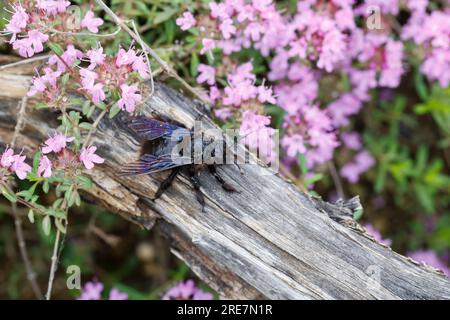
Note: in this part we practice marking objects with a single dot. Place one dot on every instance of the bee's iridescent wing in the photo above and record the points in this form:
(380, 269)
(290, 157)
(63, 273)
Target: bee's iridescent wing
(149, 164)
(151, 129)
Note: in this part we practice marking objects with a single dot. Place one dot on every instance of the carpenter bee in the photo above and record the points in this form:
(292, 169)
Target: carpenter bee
(173, 147)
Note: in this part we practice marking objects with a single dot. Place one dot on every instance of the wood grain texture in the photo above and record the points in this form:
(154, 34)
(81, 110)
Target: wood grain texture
(270, 240)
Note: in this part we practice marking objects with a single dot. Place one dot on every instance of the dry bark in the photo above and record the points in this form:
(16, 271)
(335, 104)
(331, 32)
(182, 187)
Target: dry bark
(270, 240)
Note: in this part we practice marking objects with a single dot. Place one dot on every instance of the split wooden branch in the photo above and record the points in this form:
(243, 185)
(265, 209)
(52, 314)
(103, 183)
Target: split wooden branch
(268, 241)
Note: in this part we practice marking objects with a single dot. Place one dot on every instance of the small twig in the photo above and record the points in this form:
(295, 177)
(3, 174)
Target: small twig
(150, 51)
(336, 179)
(25, 61)
(54, 264)
(31, 275)
(87, 34)
(94, 127)
(56, 252)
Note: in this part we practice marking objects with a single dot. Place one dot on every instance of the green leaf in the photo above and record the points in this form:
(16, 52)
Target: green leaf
(114, 111)
(56, 48)
(46, 186)
(46, 225)
(194, 64)
(31, 216)
(165, 15)
(86, 107)
(65, 79)
(85, 125)
(10, 196)
(41, 105)
(84, 182)
(36, 161)
(60, 226)
(421, 87)
(302, 163)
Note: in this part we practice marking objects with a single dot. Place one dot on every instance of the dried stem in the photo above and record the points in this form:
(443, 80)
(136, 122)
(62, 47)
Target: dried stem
(150, 51)
(336, 179)
(94, 127)
(54, 265)
(31, 275)
(25, 61)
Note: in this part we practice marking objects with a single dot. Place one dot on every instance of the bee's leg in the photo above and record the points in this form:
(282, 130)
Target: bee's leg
(166, 183)
(219, 178)
(196, 184)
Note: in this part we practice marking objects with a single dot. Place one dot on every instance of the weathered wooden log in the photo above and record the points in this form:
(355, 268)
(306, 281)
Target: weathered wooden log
(270, 240)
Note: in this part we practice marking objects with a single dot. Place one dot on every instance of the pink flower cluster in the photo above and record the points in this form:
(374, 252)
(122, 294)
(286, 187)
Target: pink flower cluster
(14, 163)
(65, 157)
(431, 32)
(93, 291)
(31, 21)
(322, 39)
(186, 290)
(103, 74)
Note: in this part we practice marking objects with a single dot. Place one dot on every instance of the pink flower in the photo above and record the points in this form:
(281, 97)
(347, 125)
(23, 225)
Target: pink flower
(91, 291)
(45, 167)
(352, 140)
(186, 21)
(56, 143)
(266, 95)
(97, 93)
(20, 167)
(125, 57)
(115, 294)
(206, 74)
(141, 66)
(223, 113)
(88, 78)
(96, 57)
(90, 22)
(69, 57)
(129, 97)
(218, 10)
(430, 257)
(362, 162)
(88, 157)
(186, 291)
(227, 29)
(7, 158)
(293, 145)
(36, 39)
(38, 86)
(52, 7)
(18, 21)
(24, 46)
(377, 235)
(208, 45)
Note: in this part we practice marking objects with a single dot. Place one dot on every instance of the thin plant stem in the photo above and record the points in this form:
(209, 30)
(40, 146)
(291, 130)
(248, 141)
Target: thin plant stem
(94, 127)
(31, 275)
(336, 179)
(25, 61)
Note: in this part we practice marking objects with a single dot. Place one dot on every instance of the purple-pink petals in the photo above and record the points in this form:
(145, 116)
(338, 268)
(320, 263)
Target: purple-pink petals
(89, 158)
(430, 257)
(56, 143)
(14, 163)
(186, 290)
(370, 229)
(93, 291)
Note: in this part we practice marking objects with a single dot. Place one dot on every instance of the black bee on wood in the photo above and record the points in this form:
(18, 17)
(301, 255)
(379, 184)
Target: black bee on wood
(165, 143)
